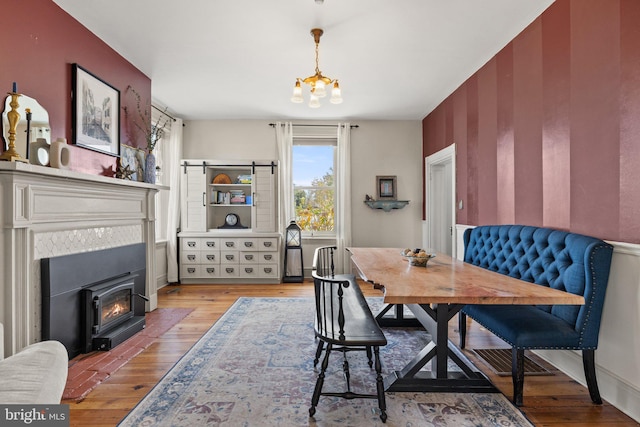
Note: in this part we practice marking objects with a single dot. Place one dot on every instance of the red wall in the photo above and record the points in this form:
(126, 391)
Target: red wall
(39, 43)
(548, 131)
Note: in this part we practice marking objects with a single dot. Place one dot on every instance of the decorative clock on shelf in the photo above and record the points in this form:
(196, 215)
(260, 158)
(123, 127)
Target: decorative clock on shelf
(232, 221)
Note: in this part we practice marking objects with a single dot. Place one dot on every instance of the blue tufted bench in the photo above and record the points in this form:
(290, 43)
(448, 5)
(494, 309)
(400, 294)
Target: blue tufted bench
(566, 261)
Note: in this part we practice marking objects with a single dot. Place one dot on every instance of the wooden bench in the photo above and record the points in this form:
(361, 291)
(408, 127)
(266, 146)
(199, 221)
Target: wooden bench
(344, 323)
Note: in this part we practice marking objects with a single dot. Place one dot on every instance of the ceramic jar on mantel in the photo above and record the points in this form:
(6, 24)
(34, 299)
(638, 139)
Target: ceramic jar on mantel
(150, 168)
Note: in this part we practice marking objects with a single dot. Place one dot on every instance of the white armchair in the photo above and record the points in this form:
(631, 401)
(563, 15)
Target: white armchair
(35, 375)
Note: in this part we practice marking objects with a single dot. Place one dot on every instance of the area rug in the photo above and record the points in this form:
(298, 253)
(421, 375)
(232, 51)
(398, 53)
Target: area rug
(254, 367)
(87, 371)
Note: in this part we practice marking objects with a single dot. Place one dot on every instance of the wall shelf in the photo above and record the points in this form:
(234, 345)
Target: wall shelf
(386, 205)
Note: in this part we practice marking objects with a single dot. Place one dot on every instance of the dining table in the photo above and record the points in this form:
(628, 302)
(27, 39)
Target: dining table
(434, 294)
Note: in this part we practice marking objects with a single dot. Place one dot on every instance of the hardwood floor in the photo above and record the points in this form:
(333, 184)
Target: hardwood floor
(549, 400)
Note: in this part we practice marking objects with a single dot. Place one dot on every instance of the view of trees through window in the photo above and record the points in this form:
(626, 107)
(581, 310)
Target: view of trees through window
(314, 187)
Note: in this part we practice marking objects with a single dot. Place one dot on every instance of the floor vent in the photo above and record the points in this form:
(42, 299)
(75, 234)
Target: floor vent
(499, 360)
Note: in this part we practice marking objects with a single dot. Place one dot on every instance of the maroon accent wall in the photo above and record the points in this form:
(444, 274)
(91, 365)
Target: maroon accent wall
(39, 43)
(548, 131)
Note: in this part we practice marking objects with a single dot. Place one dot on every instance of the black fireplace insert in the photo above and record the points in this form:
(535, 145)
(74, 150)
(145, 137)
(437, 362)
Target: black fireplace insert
(68, 280)
(107, 313)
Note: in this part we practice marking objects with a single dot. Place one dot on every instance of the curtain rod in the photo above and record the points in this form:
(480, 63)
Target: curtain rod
(165, 113)
(294, 125)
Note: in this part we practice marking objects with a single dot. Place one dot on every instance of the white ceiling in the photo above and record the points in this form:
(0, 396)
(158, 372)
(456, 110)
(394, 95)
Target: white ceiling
(238, 59)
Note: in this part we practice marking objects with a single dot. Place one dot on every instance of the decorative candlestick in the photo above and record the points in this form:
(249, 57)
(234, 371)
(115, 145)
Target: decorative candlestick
(10, 154)
(28, 111)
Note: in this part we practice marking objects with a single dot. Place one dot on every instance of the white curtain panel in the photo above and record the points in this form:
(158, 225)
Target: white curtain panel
(284, 142)
(343, 208)
(173, 214)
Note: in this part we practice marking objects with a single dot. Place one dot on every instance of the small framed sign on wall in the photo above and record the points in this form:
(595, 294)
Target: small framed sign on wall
(386, 186)
(96, 113)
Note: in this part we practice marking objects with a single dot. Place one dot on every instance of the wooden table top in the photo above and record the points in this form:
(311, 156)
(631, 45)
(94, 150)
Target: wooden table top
(447, 280)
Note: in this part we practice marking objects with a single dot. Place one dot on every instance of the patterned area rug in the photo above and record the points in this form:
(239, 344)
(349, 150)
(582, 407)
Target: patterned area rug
(254, 367)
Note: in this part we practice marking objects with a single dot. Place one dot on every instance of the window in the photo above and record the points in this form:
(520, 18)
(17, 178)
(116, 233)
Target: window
(314, 186)
(161, 151)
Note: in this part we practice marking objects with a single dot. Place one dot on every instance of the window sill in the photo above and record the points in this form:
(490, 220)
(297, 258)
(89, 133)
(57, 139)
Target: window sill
(319, 237)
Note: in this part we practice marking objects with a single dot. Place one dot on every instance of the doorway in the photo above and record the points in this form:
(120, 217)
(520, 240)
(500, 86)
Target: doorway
(440, 188)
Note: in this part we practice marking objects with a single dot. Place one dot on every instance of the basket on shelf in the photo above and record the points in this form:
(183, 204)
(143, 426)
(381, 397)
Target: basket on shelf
(221, 178)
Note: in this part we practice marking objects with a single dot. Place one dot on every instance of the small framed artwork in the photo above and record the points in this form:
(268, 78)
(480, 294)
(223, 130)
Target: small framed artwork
(95, 113)
(386, 187)
(134, 158)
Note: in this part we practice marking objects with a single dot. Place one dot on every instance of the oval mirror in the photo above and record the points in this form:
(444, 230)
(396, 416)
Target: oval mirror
(38, 127)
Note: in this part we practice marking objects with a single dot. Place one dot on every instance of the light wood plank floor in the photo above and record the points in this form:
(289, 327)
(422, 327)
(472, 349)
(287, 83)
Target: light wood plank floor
(549, 400)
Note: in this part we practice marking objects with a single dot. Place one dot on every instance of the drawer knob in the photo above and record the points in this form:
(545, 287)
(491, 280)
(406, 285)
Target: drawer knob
(211, 257)
(211, 270)
(248, 257)
(229, 244)
(268, 257)
(191, 244)
(230, 270)
(268, 270)
(229, 257)
(191, 270)
(191, 257)
(249, 270)
(211, 244)
(267, 244)
(248, 244)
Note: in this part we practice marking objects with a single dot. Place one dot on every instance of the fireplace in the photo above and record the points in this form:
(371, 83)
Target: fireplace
(94, 300)
(107, 313)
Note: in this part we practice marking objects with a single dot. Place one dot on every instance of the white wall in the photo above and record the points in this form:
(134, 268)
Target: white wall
(377, 148)
(387, 148)
(229, 140)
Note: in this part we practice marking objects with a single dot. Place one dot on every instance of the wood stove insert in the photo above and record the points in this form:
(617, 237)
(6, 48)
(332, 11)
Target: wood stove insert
(107, 313)
(64, 282)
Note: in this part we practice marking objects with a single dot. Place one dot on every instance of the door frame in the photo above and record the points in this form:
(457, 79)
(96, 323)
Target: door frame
(434, 216)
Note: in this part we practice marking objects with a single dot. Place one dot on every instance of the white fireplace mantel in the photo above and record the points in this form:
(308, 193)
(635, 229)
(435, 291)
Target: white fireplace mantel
(47, 212)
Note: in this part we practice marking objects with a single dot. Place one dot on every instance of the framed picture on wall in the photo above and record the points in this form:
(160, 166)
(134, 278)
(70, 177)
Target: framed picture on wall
(386, 186)
(95, 113)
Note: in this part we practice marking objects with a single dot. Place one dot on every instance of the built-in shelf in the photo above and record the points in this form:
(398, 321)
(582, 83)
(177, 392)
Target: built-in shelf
(386, 205)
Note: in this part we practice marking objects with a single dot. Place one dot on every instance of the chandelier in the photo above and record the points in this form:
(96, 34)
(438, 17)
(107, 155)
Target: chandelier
(318, 82)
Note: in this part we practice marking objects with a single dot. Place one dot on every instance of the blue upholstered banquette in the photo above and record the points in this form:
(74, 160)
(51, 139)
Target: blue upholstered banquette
(566, 261)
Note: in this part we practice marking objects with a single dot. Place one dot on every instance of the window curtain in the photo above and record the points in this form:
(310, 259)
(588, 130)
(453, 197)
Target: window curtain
(284, 142)
(343, 205)
(172, 171)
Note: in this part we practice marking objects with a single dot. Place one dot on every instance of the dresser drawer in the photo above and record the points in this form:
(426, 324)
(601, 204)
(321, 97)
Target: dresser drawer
(210, 270)
(229, 270)
(190, 271)
(249, 271)
(268, 244)
(190, 257)
(190, 243)
(267, 258)
(249, 257)
(210, 257)
(229, 257)
(210, 243)
(228, 244)
(268, 270)
(248, 244)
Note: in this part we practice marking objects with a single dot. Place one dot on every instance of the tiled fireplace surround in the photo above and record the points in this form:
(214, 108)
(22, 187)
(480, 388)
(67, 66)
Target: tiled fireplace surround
(47, 212)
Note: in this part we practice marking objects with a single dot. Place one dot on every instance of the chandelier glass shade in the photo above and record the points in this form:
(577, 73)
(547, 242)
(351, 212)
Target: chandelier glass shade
(317, 82)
